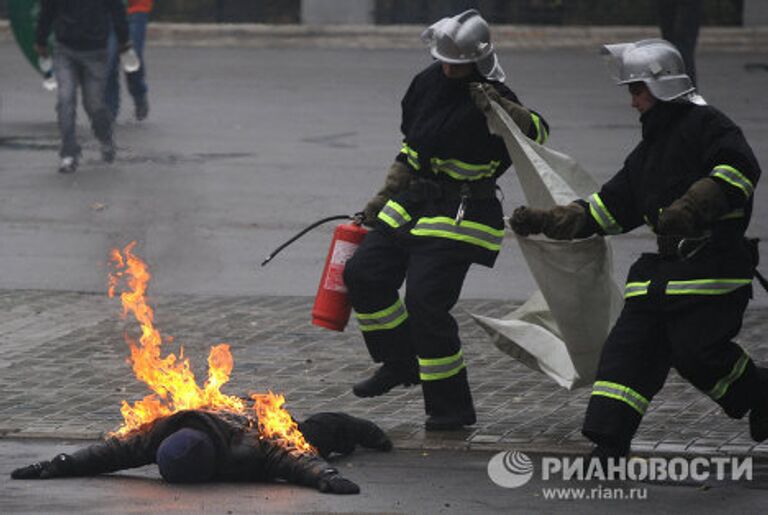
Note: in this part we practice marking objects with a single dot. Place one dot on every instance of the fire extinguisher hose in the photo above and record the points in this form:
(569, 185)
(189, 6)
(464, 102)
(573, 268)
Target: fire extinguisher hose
(306, 230)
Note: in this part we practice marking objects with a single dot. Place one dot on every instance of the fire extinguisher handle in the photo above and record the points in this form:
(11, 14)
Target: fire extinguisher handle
(302, 233)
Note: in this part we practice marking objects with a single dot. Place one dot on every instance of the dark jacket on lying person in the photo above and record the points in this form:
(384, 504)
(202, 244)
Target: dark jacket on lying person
(197, 445)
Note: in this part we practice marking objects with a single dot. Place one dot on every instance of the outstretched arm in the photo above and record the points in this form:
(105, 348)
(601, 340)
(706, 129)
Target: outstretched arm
(305, 469)
(108, 456)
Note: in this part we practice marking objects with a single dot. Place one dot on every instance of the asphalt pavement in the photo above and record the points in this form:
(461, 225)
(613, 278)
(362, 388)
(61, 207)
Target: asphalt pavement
(403, 481)
(242, 148)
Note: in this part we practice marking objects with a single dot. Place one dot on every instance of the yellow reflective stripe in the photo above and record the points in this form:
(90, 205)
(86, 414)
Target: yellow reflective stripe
(468, 232)
(463, 171)
(723, 384)
(411, 155)
(736, 213)
(705, 286)
(621, 393)
(387, 318)
(433, 369)
(541, 130)
(733, 177)
(636, 289)
(387, 219)
(602, 216)
(393, 214)
(428, 362)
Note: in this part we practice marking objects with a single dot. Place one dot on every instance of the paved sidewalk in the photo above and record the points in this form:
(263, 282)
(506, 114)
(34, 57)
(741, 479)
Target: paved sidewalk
(63, 373)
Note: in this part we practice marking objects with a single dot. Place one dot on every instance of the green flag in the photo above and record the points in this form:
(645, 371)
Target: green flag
(23, 17)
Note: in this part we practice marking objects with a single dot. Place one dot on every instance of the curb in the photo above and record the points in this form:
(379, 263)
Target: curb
(729, 39)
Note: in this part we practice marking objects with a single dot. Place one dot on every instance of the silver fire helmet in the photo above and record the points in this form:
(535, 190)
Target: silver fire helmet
(655, 62)
(464, 38)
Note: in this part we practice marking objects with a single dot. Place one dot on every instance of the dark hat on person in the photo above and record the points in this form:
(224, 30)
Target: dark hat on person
(186, 456)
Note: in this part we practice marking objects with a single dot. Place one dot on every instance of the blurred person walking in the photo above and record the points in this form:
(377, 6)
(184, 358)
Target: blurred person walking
(136, 82)
(81, 30)
(679, 23)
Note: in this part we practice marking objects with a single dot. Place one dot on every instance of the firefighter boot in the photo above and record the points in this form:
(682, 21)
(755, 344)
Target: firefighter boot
(449, 422)
(604, 458)
(758, 415)
(448, 403)
(389, 375)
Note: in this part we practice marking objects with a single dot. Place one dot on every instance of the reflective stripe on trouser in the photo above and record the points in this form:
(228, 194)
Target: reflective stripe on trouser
(373, 276)
(384, 319)
(734, 177)
(621, 393)
(467, 231)
(724, 383)
(434, 369)
(602, 215)
(692, 334)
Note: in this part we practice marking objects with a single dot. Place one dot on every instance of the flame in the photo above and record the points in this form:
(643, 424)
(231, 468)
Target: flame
(276, 423)
(171, 378)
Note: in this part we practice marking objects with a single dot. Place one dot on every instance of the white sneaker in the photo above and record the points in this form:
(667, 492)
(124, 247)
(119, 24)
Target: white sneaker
(68, 164)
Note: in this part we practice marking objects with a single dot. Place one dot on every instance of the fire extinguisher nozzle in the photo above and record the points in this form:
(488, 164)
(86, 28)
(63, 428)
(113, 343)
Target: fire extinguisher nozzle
(302, 233)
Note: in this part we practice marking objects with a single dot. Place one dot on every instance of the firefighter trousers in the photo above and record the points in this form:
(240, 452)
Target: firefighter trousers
(694, 335)
(421, 329)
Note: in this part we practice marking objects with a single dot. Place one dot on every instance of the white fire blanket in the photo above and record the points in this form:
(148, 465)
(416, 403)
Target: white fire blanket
(561, 329)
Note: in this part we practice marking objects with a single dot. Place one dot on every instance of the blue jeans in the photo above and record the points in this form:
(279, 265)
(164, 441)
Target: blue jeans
(87, 69)
(136, 82)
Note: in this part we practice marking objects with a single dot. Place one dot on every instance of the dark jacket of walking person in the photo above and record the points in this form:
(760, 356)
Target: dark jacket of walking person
(691, 179)
(81, 30)
(436, 215)
(196, 445)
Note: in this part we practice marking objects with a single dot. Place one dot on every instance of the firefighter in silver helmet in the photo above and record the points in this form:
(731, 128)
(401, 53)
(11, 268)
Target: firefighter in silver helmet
(436, 215)
(691, 180)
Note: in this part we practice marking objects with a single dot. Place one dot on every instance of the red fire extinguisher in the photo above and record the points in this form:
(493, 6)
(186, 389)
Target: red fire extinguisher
(331, 309)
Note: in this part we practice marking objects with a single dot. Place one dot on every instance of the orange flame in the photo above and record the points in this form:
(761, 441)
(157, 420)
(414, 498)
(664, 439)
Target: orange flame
(276, 423)
(171, 378)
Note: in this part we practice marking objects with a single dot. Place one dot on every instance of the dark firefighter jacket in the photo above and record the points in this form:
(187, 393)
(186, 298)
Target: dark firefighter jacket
(240, 454)
(682, 143)
(446, 141)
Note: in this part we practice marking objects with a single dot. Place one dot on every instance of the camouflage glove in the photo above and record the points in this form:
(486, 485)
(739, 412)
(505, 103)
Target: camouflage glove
(398, 180)
(558, 223)
(688, 216)
(60, 466)
(331, 482)
(483, 93)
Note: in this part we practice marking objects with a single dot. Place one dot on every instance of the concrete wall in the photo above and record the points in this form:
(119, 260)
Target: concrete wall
(755, 13)
(320, 12)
